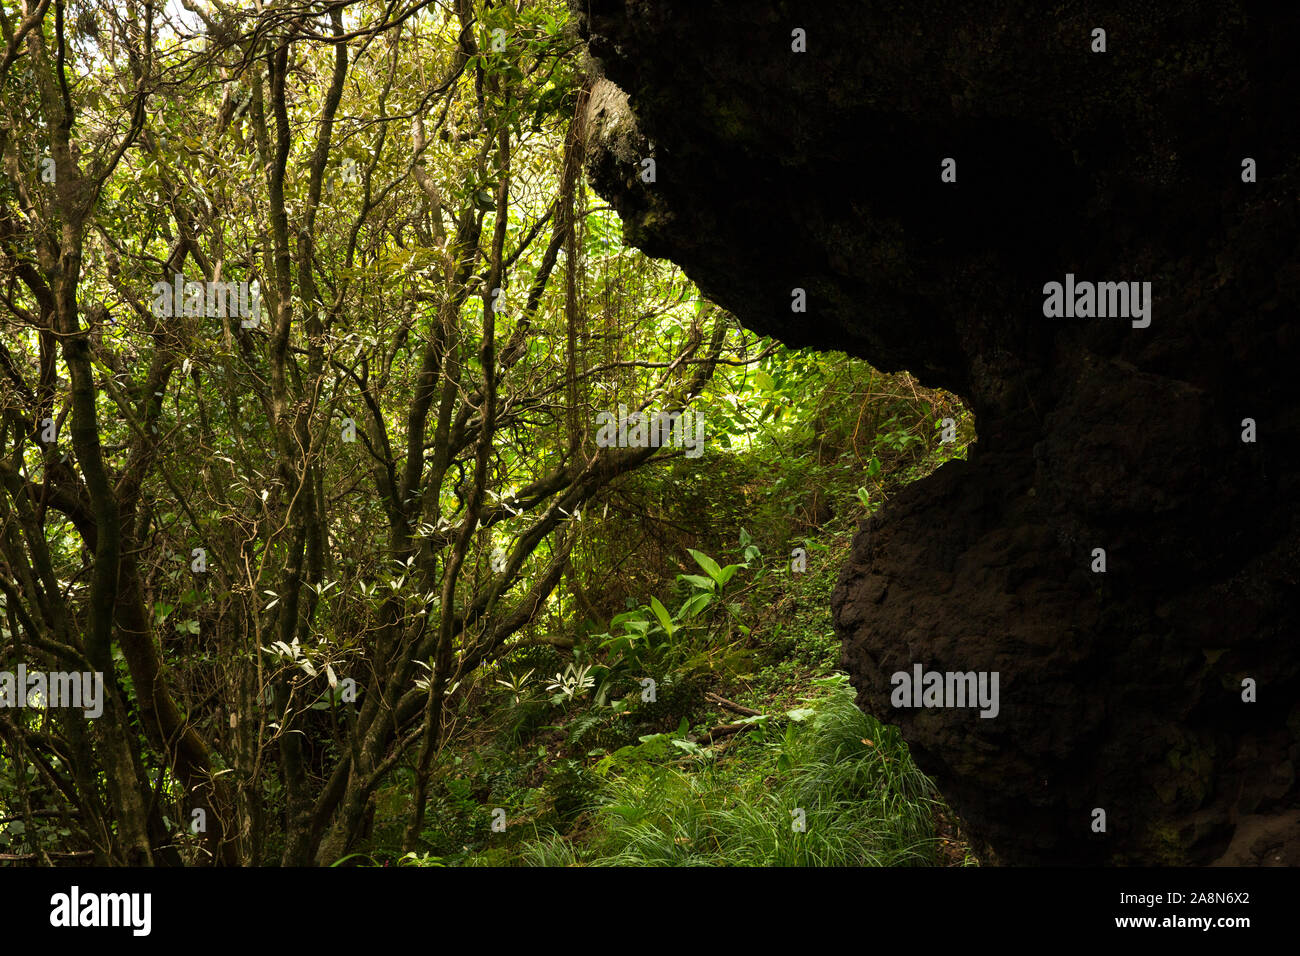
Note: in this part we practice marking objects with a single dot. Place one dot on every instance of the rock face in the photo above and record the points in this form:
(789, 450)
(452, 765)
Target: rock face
(777, 170)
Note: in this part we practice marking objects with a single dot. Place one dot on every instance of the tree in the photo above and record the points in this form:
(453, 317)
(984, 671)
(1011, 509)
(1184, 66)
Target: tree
(291, 536)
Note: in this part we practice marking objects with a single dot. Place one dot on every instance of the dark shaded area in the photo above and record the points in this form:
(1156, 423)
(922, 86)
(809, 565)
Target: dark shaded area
(821, 170)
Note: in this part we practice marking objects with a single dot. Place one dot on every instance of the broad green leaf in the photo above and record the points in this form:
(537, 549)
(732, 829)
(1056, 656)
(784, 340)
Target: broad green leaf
(708, 564)
(725, 574)
(699, 580)
(695, 605)
(662, 614)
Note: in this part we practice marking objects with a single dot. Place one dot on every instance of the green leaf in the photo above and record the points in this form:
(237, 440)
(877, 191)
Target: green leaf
(699, 580)
(708, 564)
(662, 614)
(726, 574)
(695, 605)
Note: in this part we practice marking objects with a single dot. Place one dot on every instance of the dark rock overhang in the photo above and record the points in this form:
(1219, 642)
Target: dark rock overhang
(778, 170)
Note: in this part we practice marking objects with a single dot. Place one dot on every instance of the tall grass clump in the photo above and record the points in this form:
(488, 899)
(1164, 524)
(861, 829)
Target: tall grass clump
(834, 787)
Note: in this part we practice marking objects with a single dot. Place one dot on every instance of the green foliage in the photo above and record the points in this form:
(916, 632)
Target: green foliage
(863, 801)
(655, 791)
(674, 579)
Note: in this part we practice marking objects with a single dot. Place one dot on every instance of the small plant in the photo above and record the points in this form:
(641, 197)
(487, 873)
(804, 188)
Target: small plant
(717, 576)
(423, 683)
(420, 859)
(573, 682)
(517, 685)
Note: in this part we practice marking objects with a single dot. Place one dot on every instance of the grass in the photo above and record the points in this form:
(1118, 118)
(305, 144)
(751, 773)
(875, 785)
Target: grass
(834, 788)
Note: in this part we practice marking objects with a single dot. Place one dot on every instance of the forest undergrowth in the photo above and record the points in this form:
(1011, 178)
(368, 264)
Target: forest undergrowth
(691, 711)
